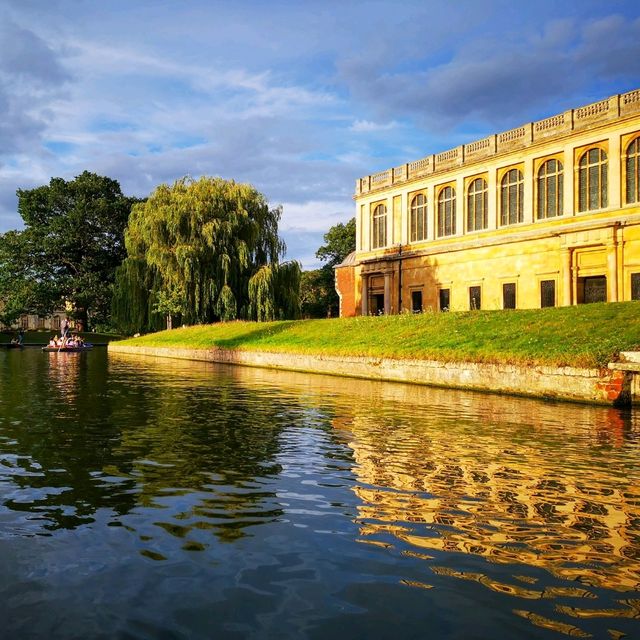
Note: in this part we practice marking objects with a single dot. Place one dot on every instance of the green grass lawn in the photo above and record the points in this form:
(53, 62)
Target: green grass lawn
(581, 336)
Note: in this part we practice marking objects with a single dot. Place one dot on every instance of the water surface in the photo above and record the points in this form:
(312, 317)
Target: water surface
(147, 498)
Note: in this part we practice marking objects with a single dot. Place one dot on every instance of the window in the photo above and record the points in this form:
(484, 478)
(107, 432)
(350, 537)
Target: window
(592, 180)
(416, 301)
(447, 212)
(444, 298)
(379, 227)
(635, 286)
(509, 295)
(511, 196)
(477, 205)
(633, 171)
(418, 218)
(474, 298)
(550, 189)
(548, 293)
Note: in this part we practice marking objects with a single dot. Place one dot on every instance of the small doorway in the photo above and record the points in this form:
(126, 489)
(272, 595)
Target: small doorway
(475, 298)
(377, 304)
(592, 289)
(444, 299)
(509, 295)
(416, 301)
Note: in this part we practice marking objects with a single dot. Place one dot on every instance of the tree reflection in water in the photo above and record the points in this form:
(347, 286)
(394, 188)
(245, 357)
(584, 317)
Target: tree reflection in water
(536, 504)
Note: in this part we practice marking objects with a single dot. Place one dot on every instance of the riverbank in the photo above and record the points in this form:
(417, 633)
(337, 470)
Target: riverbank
(555, 353)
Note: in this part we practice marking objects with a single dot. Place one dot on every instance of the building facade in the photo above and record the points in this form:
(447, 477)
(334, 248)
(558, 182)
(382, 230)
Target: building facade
(547, 214)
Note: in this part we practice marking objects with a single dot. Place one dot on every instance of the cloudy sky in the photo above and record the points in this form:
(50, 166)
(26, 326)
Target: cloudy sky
(299, 98)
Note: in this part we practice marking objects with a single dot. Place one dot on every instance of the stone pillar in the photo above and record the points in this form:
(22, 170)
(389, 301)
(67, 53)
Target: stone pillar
(567, 284)
(432, 213)
(527, 203)
(612, 271)
(492, 200)
(365, 294)
(460, 206)
(387, 293)
(570, 179)
(615, 198)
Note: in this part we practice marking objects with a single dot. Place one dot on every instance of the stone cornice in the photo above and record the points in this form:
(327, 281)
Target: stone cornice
(612, 109)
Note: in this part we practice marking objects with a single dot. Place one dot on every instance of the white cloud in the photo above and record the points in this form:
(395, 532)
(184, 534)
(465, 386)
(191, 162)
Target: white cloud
(366, 126)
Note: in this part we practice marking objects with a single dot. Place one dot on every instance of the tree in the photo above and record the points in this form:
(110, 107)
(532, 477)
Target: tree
(318, 292)
(340, 241)
(68, 252)
(18, 293)
(200, 251)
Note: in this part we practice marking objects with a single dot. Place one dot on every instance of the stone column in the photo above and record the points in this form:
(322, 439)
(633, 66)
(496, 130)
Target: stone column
(527, 203)
(387, 293)
(365, 294)
(612, 271)
(492, 200)
(460, 206)
(567, 284)
(570, 178)
(615, 198)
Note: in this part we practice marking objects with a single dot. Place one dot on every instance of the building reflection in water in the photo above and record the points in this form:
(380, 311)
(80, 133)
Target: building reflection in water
(517, 482)
(540, 501)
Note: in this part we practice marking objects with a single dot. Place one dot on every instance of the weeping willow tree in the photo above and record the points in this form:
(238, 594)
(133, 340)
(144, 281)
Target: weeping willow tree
(202, 251)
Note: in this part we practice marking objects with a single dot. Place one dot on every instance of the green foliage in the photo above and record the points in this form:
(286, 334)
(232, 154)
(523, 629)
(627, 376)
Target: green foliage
(318, 292)
(20, 289)
(581, 336)
(71, 245)
(340, 241)
(204, 250)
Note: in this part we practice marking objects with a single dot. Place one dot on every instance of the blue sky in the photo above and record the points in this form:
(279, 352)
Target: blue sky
(298, 98)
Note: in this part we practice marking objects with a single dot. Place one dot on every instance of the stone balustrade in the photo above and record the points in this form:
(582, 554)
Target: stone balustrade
(549, 128)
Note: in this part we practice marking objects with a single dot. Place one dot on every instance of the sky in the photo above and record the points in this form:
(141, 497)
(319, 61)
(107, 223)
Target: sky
(299, 98)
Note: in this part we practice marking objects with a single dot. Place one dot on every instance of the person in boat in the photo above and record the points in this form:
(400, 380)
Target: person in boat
(65, 329)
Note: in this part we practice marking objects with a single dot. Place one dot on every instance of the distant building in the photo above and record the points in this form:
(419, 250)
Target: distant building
(33, 322)
(544, 215)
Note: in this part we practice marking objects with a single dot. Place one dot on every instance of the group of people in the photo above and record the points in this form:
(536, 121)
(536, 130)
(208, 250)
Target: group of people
(73, 340)
(67, 339)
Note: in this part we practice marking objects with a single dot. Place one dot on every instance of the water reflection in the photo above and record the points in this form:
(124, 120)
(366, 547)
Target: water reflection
(290, 484)
(532, 485)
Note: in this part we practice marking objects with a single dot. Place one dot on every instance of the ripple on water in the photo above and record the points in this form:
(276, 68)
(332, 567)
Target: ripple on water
(310, 505)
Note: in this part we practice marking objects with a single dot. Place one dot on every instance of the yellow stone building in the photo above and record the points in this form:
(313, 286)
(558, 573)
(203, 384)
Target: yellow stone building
(547, 214)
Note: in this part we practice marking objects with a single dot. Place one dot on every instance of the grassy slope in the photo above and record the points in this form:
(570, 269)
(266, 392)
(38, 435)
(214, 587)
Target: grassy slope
(581, 336)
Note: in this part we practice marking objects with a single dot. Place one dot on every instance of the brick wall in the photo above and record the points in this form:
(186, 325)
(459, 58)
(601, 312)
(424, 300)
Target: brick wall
(346, 288)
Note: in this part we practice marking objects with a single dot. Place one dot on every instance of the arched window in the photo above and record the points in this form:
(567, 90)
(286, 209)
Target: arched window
(550, 189)
(592, 180)
(511, 196)
(418, 218)
(447, 212)
(477, 205)
(633, 171)
(379, 227)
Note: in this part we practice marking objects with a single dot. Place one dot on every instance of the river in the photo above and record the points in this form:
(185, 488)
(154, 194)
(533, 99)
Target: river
(151, 498)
